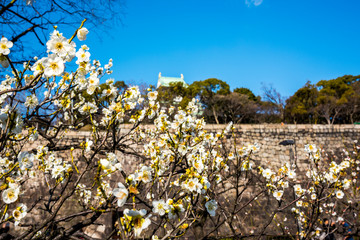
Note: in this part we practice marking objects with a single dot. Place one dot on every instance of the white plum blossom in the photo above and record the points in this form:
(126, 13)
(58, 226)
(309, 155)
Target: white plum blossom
(211, 207)
(310, 148)
(93, 84)
(152, 95)
(61, 47)
(192, 185)
(38, 67)
(26, 160)
(87, 108)
(84, 193)
(178, 99)
(228, 127)
(174, 209)
(137, 218)
(54, 66)
(298, 190)
(82, 55)
(160, 207)
(121, 194)
(253, 147)
(267, 173)
(246, 165)
(345, 164)
(108, 66)
(58, 44)
(5, 46)
(180, 117)
(57, 171)
(19, 213)
(339, 194)
(10, 195)
(88, 144)
(346, 183)
(198, 165)
(110, 92)
(82, 33)
(291, 174)
(31, 101)
(144, 174)
(106, 165)
(278, 194)
(313, 196)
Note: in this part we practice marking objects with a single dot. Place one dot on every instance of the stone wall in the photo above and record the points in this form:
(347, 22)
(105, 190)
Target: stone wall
(332, 138)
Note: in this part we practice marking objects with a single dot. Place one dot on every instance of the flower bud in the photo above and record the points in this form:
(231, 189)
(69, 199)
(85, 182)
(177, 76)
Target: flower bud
(81, 34)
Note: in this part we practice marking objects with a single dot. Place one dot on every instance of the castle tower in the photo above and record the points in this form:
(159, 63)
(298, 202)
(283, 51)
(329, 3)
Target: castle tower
(166, 81)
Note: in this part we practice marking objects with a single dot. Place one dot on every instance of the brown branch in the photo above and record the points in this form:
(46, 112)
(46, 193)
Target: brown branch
(30, 29)
(5, 8)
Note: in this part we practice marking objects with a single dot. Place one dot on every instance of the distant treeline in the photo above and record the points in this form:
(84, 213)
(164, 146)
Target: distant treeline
(335, 101)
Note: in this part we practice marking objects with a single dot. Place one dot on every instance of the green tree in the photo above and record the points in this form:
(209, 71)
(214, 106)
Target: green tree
(352, 108)
(300, 108)
(334, 96)
(120, 85)
(167, 95)
(249, 93)
(206, 91)
(236, 107)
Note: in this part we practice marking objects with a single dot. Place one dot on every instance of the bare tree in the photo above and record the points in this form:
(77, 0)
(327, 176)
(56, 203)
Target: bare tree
(28, 23)
(272, 96)
(236, 107)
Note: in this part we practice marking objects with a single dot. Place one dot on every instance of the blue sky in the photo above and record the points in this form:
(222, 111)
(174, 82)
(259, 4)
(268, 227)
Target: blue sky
(243, 42)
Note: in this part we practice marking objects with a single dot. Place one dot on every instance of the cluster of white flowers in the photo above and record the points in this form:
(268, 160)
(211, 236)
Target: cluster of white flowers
(50, 164)
(278, 182)
(184, 166)
(84, 194)
(11, 121)
(5, 85)
(111, 163)
(103, 191)
(5, 165)
(121, 104)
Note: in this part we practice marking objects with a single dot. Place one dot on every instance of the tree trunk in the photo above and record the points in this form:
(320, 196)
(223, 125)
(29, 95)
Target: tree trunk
(328, 121)
(335, 115)
(327, 117)
(215, 116)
